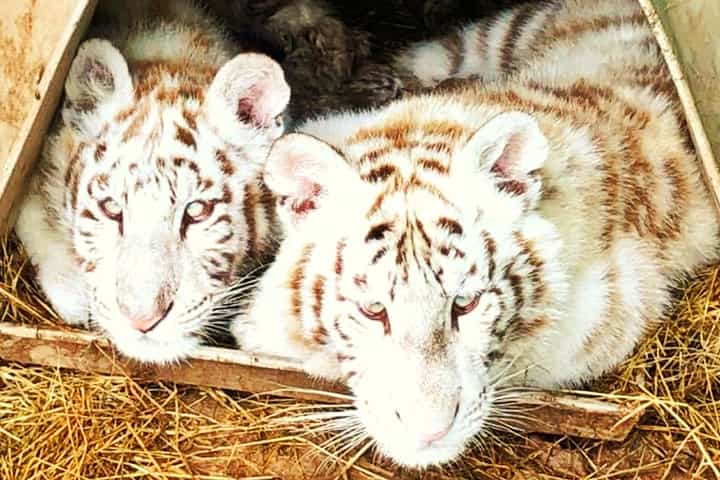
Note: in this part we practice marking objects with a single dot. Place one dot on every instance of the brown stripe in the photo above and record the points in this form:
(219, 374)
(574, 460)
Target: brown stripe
(190, 118)
(423, 233)
(343, 335)
(318, 290)
(450, 225)
(141, 114)
(185, 136)
(512, 187)
(575, 29)
(377, 204)
(88, 214)
(536, 262)
(297, 275)
(250, 202)
(670, 226)
(320, 335)
(516, 285)
(395, 132)
(378, 255)
(373, 155)
(339, 257)
(440, 147)
(377, 232)
(100, 150)
(520, 18)
(194, 167)
(267, 203)
(380, 173)
(603, 333)
(444, 128)
(400, 257)
(415, 182)
(174, 94)
(455, 47)
(225, 164)
(432, 164)
(481, 40)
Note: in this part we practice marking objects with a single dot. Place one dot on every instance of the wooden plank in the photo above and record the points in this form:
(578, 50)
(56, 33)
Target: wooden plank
(212, 367)
(580, 416)
(686, 31)
(550, 412)
(37, 96)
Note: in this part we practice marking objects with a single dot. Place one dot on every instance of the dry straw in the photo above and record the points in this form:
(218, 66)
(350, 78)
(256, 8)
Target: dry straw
(68, 425)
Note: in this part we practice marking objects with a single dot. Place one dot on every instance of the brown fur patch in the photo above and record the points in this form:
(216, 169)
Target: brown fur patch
(432, 164)
(380, 174)
(452, 226)
(297, 275)
(225, 164)
(373, 155)
(377, 232)
(185, 136)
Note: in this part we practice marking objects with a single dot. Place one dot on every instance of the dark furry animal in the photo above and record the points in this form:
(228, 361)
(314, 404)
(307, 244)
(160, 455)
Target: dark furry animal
(336, 54)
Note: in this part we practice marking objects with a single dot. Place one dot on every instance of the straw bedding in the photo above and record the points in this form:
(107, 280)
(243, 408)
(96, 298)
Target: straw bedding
(62, 424)
(57, 424)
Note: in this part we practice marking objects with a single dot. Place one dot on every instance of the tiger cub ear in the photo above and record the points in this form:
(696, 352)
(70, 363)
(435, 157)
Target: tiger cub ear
(98, 74)
(303, 172)
(512, 149)
(249, 89)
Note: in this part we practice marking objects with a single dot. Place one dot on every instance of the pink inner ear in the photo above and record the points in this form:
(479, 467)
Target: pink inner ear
(304, 200)
(263, 101)
(246, 112)
(508, 160)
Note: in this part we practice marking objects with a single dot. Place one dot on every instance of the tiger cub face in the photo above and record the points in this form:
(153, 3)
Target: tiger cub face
(163, 197)
(415, 281)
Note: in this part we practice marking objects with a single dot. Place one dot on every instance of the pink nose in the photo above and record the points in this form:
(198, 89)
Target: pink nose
(145, 323)
(428, 438)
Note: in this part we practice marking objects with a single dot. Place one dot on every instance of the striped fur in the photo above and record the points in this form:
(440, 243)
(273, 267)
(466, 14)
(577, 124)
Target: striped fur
(522, 227)
(148, 201)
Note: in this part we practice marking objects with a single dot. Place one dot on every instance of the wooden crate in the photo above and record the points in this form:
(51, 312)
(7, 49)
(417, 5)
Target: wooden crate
(38, 39)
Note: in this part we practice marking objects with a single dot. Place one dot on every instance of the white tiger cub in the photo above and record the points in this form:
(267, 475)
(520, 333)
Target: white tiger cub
(148, 202)
(525, 229)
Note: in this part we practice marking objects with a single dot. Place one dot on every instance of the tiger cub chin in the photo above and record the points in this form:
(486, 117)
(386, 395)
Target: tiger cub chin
(148, 201)
(525, 227)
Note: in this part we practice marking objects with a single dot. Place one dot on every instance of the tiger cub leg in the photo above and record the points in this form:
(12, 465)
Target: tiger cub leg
(58, 273)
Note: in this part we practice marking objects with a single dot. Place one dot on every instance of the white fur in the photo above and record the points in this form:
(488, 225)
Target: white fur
(88, 266)
(597, 294)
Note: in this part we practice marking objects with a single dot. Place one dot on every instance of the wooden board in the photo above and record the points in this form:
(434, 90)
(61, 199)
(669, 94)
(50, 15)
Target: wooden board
(687, 31)
(38, 39)
(551, 412)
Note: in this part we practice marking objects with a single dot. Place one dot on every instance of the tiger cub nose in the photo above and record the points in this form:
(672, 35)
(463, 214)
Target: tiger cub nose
(427, 439)
(146, 322)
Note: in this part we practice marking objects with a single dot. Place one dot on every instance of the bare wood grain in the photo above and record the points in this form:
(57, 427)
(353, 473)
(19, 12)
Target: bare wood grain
(551, 412)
